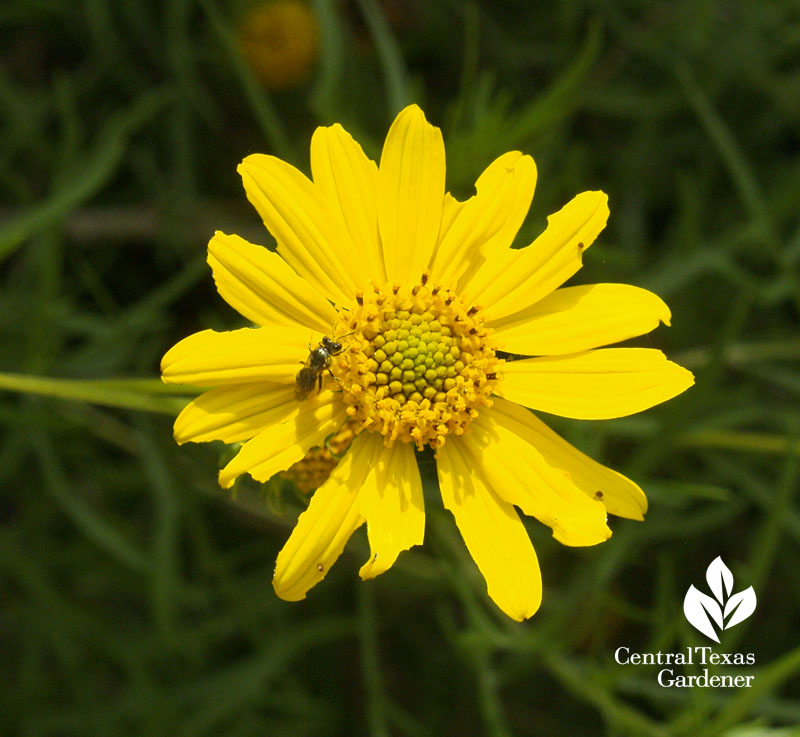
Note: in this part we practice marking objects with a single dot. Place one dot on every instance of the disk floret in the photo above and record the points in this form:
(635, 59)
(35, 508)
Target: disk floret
(419, 365)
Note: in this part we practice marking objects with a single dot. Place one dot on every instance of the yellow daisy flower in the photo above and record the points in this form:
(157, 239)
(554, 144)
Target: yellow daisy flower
(410, 300)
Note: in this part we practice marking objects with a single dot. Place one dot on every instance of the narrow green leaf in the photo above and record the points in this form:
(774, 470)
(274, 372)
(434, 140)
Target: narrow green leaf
(112, 393)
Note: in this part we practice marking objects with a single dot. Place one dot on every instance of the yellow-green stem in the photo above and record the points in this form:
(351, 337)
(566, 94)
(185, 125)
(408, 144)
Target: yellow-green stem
(140, 394)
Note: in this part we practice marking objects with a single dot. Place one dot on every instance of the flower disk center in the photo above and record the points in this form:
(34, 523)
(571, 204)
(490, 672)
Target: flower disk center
(419, 365)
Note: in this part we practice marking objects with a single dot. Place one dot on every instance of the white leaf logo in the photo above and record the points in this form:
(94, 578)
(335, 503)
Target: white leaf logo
(720, 579)
(698, 607)
(724, 610)
(740, 606)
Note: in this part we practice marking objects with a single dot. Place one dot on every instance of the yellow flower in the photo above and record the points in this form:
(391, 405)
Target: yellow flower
(280, 41)
(420, 297)
(314, 468)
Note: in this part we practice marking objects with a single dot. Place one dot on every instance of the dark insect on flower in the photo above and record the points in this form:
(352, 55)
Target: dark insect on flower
(318, 361)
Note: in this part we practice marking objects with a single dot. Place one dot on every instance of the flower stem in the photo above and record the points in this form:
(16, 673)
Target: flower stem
(139, 394)
(370, 661)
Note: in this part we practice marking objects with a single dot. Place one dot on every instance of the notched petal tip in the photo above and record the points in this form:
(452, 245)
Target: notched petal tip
(391, 502)
(523, 614)
(371, 569)
(682, 378)
(227, 479)
(657, 307)
(599, 195)
(665, 315)
(244, 169)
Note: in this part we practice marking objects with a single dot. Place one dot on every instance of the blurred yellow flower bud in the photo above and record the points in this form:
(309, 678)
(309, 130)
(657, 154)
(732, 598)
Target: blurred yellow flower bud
(280, 41)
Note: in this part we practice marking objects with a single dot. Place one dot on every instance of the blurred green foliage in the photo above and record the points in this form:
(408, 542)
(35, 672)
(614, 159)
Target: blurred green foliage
(135, 596)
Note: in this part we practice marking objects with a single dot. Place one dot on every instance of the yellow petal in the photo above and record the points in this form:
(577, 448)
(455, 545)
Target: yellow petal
(234, 413)
(391, 502)
(620, 496)
(489, 220)
(595, 385)
(261, 286)
(262, 354)
(309, 238)
(575, 319)
(520, 475)
(492, 532)
(451, 207)
(323, 529)
(348, 181)
(512, 280)
(516, 174)
(410, 194)
(279, 446)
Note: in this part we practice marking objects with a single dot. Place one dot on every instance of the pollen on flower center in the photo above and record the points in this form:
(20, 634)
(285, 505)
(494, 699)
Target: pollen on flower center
(419, 365)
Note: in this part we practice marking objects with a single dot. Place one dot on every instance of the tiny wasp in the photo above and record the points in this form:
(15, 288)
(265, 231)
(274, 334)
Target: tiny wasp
(318, 361)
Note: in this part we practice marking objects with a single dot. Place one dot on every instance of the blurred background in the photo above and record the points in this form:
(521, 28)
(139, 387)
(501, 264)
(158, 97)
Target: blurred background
(135, 595)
